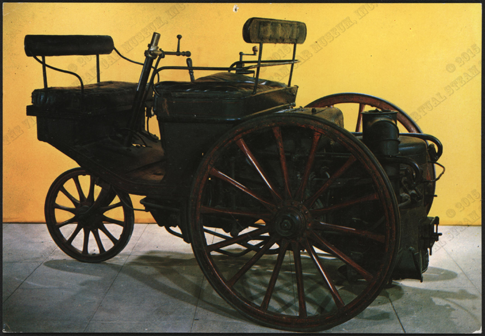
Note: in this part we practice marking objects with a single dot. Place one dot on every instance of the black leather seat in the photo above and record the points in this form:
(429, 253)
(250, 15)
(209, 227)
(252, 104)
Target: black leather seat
(221, 95)
(107, 96)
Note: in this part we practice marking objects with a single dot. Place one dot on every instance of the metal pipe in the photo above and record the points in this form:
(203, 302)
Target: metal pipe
(44, 72)
(292, 64)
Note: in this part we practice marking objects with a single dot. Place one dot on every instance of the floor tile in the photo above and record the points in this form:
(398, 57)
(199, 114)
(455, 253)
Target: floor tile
(378, 317)
(146, 291)
(29, 309)
(14, 274)
(163, 325)
(426, 310)
(26, 243)
(72, 274)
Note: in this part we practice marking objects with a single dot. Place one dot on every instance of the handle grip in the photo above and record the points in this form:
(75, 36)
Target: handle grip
(155, 40)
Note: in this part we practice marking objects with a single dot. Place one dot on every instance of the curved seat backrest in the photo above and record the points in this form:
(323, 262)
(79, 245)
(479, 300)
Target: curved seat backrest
(65, 45)
(260, 30)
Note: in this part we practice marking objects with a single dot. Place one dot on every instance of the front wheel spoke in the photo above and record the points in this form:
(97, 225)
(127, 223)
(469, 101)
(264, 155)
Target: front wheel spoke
(363, 233)
(91, 190)
(68, 195)
(342, 256)
(86, 241)
(113, 221)
(98, 241)
(311, 157)
(108, 234)
(74, 234)
(222, 211)
(284, 168)
(82, 198)
(250, 235)
(299, 279)
(274, 276)
(102, 197)
(220, 175)
(69, 221)
(333, 290)
(111, 207)
(332, 178)
(244, 148)
(251, 262)
(321, 211)
(65, 208)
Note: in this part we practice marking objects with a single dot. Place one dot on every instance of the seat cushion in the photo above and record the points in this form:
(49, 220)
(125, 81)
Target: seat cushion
(222, 96)
(212, 86)
(106, 96)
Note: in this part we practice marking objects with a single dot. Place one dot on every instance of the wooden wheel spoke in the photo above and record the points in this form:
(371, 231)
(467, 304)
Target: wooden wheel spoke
(311, 158)
(68, 195)
(98, 241)
(82, 198)
(362, 233)
(113, 221)
(333, 290)
(250, 235)
(91, 190)
(69, 221)
(223, 211)
(62, 207)
(74, 234)
(274, 276)
(112, 206)
(332, 178)
(363, 199)
(299, 280)
(216, 173)
(108, 234)
(251, 262)
(244, 148)
(86, 241)
(284, 168)
(359, 116)
(102, 198)
(342, 256)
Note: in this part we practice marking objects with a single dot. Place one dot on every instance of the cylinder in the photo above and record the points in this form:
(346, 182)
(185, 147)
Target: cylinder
(381, 135)
(380, 132)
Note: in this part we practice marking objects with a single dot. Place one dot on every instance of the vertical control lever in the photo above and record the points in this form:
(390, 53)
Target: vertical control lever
(140, 94)
(191, 71)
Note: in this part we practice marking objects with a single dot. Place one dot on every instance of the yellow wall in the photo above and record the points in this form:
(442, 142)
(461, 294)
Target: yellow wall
(425, 58)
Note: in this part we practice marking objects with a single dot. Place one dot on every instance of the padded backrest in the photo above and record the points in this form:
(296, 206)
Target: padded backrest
(259, 30)
(63, 45)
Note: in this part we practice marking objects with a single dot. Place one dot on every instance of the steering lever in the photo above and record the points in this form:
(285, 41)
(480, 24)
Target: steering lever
(178, 52)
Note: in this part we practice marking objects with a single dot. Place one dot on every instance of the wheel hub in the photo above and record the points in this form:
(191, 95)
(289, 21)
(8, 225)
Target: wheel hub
(87, 218)
(291, 220)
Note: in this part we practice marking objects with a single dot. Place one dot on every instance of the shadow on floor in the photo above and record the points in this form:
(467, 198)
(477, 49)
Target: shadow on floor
(181, 270)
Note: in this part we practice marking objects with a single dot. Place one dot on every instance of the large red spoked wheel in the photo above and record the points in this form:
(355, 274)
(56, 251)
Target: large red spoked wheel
(364, 100)
(87, 218)
(293, 221)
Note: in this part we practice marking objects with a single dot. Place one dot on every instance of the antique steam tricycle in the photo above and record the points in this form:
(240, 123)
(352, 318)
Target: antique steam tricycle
(295, 221)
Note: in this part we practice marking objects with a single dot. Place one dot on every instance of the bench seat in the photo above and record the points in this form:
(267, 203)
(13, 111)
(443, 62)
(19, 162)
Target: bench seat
(103, 97)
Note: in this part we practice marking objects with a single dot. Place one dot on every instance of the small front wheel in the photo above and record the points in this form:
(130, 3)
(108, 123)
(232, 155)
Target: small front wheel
(87, 218)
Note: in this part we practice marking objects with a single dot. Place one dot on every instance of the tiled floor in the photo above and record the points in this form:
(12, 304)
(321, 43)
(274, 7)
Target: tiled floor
(155, 285)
